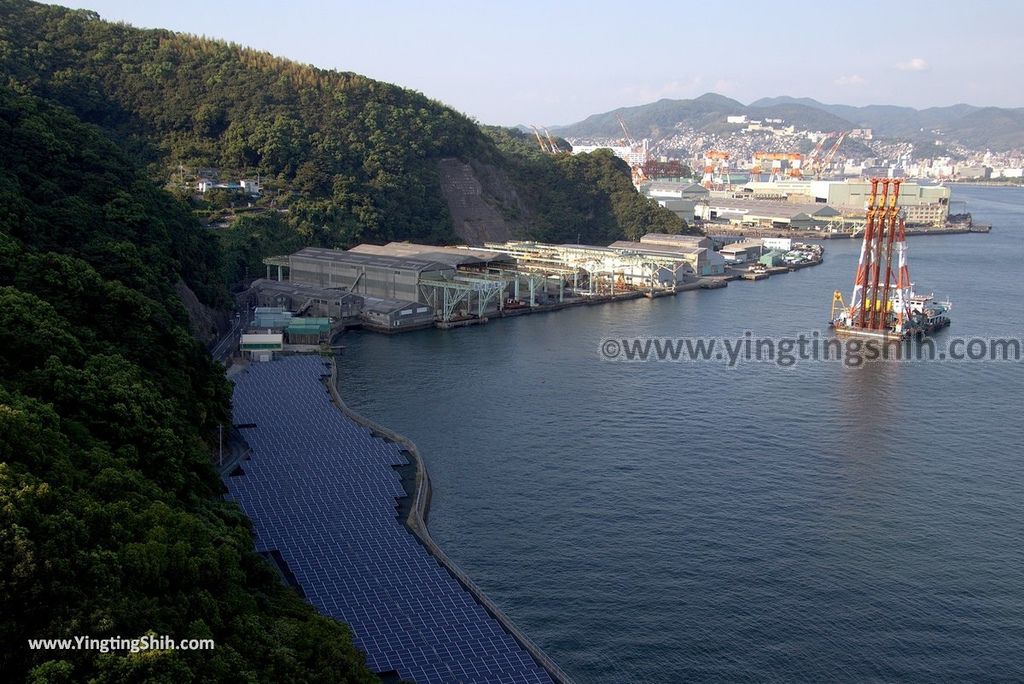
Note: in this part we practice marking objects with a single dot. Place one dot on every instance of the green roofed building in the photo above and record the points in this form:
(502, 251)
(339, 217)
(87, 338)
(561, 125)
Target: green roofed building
(772, 259)
(308, 330)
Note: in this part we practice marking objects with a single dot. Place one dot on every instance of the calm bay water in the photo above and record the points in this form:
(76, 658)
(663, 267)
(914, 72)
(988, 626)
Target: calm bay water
(664, 522)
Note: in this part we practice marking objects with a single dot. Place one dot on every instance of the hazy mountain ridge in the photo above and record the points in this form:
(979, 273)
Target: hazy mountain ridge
(997, 128)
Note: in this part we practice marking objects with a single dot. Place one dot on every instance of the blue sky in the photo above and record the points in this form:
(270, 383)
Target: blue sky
(557, 62)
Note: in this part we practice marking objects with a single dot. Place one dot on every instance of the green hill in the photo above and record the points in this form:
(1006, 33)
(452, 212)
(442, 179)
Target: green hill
(109, 521)
(708, 111)
(358, 159)
(110, 518)
(996, 128)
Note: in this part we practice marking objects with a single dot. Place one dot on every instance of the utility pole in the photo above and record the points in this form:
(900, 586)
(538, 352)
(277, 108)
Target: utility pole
(220, 430)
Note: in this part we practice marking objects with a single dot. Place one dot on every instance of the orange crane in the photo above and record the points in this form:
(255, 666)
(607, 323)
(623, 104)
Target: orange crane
(776, 158)
(716, 163)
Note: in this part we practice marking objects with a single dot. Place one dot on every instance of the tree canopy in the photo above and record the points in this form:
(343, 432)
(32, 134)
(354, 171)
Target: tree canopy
(110, 521)
(356, 160)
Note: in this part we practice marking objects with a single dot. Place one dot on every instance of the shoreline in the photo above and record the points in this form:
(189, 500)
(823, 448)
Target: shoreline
(416, 523)
(710, 282)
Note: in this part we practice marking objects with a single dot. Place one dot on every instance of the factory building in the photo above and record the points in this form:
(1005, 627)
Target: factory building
(693, 250)
(772, 258)
(372, 275)
(924, 204)
(679, 190)
(678, 241)
(390, 315)
(261, 346)
(591, 270)
(306, 299)
(684, 209)
(768, 214)
(742, 252)
(308, 330)
(453, 283)
(464, 259)
(681, 267)
(777, 243)
(271, 318)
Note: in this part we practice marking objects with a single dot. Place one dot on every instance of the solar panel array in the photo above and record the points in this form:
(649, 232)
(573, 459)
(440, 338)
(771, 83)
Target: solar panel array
(321, 490)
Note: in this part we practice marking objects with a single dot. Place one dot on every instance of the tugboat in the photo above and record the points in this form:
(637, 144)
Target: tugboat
(884, 304)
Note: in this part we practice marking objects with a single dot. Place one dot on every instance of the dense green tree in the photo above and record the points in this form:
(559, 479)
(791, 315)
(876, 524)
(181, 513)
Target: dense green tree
(359, 157)
(110, 518)
(588, 197)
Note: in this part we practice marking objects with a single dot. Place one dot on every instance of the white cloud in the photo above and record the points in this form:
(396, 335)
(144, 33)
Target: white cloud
(913, 64)
(851, 80)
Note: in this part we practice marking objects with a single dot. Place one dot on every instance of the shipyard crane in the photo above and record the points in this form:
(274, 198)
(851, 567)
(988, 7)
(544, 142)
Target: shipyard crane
(540, 141)
(812, 159)
(716, 162)
(555, 149)
(832, 152)
(629, 139)
(794, 160)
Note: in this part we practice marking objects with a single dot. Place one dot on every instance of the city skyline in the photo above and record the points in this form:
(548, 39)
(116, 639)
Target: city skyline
(557, 64)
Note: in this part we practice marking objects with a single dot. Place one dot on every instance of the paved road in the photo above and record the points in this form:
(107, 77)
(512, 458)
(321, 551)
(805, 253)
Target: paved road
(228, 343)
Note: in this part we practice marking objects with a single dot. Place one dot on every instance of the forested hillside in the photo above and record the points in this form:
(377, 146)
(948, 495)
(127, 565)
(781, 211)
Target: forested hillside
(109, 521)
(358, 159)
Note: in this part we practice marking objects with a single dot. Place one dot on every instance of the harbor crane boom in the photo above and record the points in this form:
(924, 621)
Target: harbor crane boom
(555, 149)
(540, 141)
(622, 123)
(835, 148)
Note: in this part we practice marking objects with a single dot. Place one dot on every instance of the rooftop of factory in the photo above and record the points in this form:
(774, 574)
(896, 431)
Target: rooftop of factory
(676, 185)
(744, 245)
(770, 209)
(655, 248)
(452, 256)
(351, 258)
(296, 289)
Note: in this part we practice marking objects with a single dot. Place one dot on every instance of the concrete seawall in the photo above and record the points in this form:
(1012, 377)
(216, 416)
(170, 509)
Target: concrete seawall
(416, 522)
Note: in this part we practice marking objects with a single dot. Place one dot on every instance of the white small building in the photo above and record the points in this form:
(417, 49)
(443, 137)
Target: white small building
(777, 243)
(261, 346)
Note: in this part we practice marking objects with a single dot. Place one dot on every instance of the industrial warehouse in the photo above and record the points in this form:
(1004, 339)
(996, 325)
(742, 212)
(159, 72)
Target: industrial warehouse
(795, 203)
(311, 295)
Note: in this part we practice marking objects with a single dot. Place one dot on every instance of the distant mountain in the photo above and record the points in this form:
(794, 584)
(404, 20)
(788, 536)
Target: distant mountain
(995, 128)
(708, 111)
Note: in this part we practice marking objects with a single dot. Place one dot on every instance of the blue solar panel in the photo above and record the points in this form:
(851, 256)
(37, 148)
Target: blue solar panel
(321, 490)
